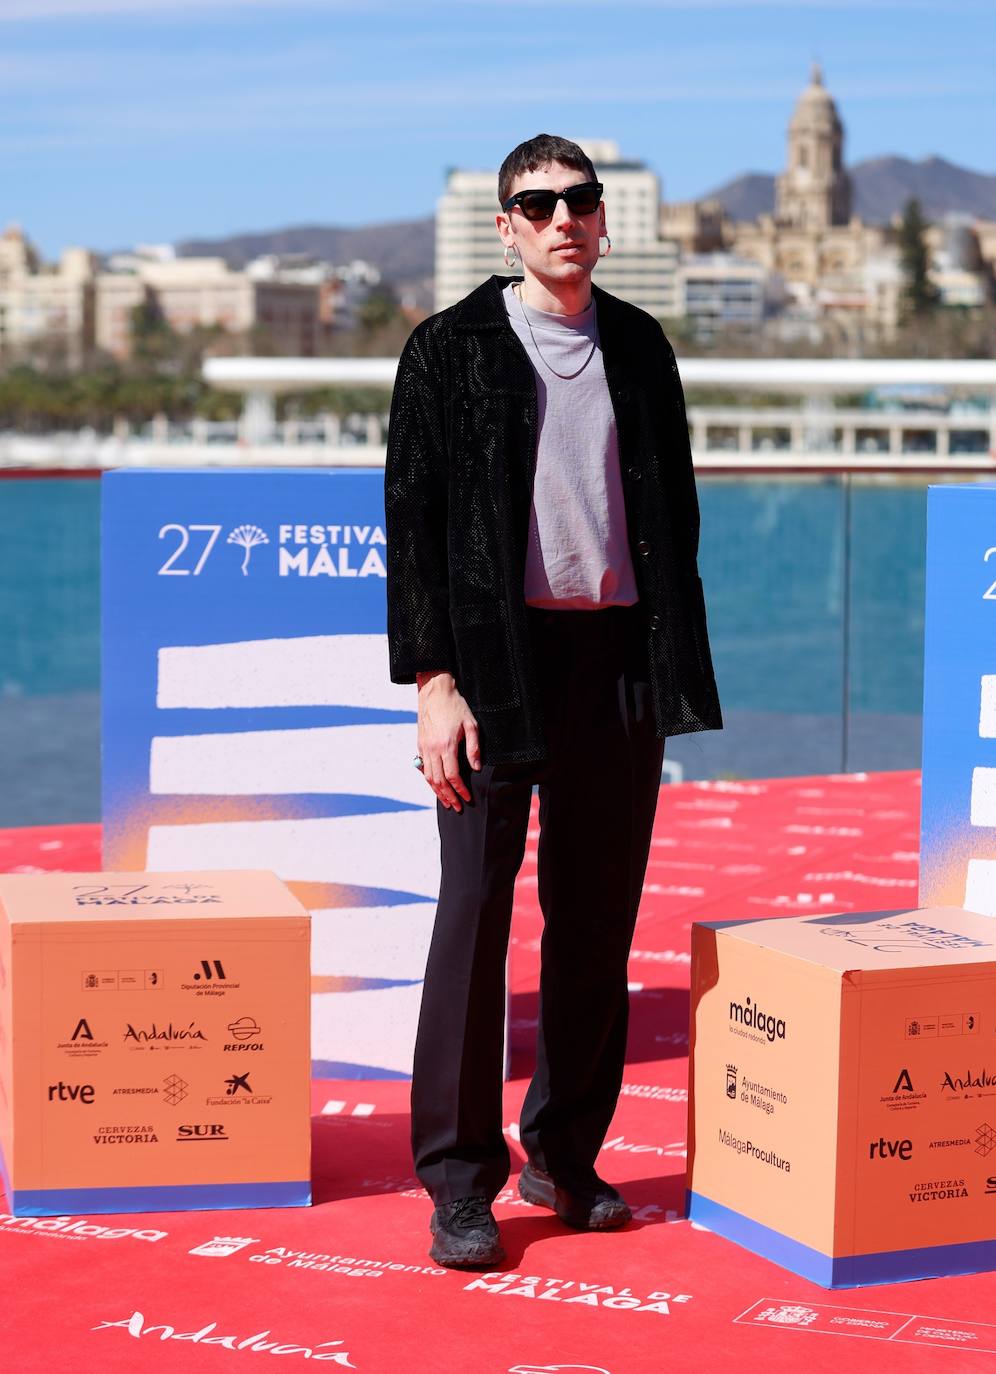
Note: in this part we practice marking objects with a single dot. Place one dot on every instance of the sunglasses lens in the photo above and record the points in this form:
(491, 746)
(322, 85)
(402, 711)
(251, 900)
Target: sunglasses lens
(583, 200)
(538, 204)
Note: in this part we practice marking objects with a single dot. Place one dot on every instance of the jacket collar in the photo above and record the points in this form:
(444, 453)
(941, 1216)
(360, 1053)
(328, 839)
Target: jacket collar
(485, 309)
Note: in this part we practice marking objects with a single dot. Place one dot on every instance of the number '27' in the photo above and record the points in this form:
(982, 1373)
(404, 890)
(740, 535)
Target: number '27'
(184, 531)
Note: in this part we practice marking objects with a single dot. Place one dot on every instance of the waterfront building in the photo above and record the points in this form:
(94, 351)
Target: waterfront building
(842, 273)
(45, 307)
(642, 267)
(719, 291)
(203, 292)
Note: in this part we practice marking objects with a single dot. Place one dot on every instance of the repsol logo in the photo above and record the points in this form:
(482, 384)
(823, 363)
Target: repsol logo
(751, 1015)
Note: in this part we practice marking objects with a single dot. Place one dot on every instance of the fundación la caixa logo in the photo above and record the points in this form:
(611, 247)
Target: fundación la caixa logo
(307, 550)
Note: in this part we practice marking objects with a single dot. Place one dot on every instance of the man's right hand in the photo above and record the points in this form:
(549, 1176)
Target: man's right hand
(444, 719)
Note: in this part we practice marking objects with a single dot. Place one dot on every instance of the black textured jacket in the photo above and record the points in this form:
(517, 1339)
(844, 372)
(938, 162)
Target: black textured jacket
(461, 452)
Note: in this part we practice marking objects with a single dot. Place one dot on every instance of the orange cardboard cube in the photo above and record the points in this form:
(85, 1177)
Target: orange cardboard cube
(154, 1042)
(842, 1103)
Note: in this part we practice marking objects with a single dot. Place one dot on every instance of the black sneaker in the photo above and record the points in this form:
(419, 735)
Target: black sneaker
(587, 1203)
(465, 1235)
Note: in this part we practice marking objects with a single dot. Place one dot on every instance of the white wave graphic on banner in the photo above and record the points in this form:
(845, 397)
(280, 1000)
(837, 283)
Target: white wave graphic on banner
(371, 1028)
(980, 887)
(358, 759)
(396, 850)
(391, 849)
(372, 941)
(311, 670)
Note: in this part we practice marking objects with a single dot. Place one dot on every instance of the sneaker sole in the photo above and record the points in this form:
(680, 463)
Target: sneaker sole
(604, 1216)
(479, 1258)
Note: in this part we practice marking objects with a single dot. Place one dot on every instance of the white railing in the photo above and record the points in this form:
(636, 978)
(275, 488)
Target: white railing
(814, 435)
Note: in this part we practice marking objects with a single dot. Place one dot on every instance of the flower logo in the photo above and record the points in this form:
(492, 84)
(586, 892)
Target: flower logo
(248, 536)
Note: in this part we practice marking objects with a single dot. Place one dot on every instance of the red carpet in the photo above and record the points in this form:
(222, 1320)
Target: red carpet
(350, 1279)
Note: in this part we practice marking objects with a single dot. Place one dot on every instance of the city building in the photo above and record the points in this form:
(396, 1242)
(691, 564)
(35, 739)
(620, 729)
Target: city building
(642, 267)
(284, 311)
(45, 308)
(721, 292)
(64, 311)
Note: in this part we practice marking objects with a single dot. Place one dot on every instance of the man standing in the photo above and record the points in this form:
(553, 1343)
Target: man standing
(542, 535)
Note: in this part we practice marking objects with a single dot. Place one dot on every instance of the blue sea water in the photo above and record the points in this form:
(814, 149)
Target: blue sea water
(814, 589)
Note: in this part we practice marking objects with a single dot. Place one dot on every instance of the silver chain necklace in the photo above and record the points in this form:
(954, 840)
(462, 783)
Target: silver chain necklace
(564, 376)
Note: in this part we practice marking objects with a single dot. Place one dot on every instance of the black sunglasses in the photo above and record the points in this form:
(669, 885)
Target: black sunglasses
(580, 200)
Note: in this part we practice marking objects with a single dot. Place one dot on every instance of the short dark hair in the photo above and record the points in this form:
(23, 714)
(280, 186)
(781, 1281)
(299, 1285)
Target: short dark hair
(540, 152)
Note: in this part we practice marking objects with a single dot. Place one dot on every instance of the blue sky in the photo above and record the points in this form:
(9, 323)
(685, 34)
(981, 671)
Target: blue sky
(127, 121)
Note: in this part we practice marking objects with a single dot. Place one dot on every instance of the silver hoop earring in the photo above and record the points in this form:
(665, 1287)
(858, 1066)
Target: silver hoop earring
(608, 246)
(510, 248)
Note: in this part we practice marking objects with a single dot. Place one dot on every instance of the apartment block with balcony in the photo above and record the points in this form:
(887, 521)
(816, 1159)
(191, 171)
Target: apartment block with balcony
(642, 267)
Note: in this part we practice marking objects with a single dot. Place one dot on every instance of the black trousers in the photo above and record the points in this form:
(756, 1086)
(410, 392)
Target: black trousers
(598, 792)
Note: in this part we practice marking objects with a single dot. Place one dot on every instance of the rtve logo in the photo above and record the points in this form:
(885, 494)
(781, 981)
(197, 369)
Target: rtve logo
(71, 1092)
(890, 1149)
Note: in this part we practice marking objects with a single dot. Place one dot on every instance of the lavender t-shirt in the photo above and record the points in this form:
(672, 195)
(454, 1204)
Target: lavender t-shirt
(578, 555)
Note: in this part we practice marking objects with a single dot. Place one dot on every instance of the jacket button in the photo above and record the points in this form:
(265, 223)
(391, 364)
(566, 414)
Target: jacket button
(643, 548)
(655, 622)
(635, 474)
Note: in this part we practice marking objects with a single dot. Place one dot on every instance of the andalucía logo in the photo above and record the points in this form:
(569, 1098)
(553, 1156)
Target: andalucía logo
(903, 1096)
(750, 1015)
(82, 1044)
(157, 1034)
(135, 1326)
(982, 1084)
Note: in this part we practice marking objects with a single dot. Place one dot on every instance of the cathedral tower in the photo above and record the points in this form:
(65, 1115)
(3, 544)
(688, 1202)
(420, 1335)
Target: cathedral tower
(814, 191)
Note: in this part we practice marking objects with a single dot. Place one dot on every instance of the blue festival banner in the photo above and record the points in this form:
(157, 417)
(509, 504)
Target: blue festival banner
(958, 826)
(249, 721)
